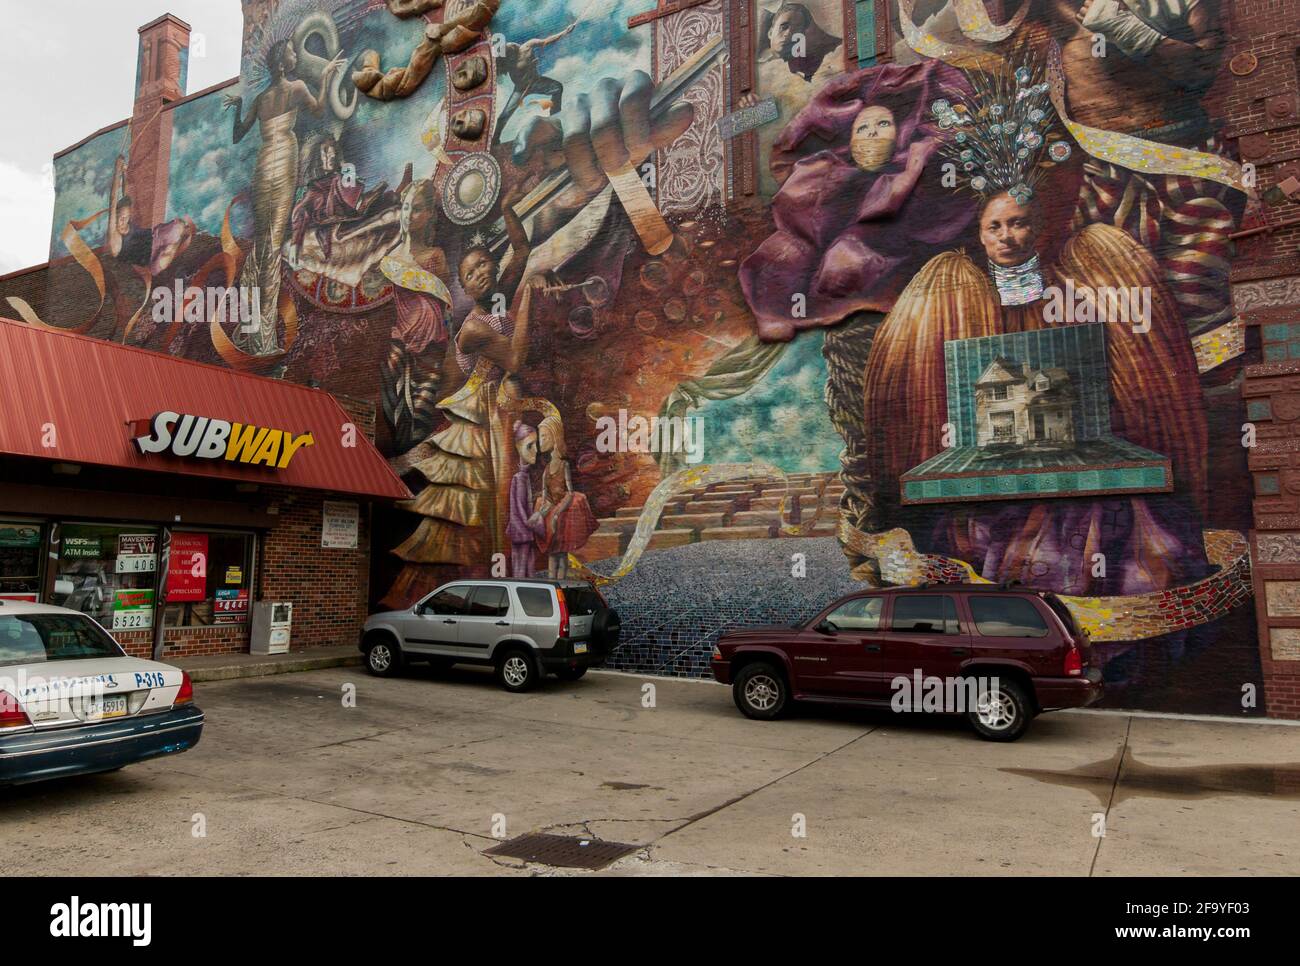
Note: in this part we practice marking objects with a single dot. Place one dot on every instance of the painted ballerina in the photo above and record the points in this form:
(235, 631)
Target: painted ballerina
(275, 177)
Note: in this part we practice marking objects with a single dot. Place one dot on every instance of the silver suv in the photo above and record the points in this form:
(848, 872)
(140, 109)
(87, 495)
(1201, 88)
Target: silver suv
(523, 628)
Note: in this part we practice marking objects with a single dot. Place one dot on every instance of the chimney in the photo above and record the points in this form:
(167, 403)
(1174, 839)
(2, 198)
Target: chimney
(161, 68)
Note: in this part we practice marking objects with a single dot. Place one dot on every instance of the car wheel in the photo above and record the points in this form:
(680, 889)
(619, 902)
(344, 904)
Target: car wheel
(517, 670)
(570, 673)
(1002, 711)
(383, 656)
(760, 691)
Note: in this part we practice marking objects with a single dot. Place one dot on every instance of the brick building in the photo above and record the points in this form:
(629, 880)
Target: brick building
(713, 290)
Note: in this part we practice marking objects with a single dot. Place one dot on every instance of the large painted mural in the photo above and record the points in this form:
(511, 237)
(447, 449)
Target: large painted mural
(732, 310)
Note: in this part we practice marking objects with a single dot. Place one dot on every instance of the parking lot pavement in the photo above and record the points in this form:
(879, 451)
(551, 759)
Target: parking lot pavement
(419, 774)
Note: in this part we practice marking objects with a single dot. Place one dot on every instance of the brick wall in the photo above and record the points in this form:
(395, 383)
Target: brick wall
(329, 588)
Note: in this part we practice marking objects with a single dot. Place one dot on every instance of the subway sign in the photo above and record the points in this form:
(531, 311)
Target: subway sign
(205, 438)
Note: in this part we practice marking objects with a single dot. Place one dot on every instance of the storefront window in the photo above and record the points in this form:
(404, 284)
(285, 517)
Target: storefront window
(109, 573)
(209, 579)
(20, 560)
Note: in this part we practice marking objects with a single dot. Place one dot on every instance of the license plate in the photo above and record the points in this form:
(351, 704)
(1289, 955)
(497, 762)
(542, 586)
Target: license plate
(580, 647)
(114, 707)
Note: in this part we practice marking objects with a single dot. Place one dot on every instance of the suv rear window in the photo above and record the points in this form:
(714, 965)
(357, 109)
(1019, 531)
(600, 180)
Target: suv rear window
(1063, 612)
(37, 638)
(1006, 617)
(581, 601)
(536, 601)
(489, 601)
(925, 614)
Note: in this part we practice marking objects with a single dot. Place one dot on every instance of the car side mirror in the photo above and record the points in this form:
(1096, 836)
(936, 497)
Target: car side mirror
(826, 627)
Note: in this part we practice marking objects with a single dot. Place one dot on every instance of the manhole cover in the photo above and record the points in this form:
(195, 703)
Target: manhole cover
(563, 850)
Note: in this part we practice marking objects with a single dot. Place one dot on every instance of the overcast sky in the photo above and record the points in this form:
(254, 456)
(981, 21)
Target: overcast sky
(70, 70)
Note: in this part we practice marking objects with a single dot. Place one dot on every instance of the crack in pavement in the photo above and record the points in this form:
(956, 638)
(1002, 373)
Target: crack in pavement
(1119, 770)
(700, 816)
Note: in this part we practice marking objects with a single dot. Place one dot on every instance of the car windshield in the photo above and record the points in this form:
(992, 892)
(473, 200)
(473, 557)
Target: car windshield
(38, 638)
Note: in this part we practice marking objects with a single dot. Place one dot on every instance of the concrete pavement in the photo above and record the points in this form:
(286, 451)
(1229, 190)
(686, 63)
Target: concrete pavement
(420, 773)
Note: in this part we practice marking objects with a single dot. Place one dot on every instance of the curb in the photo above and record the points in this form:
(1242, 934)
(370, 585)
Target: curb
(230, 672)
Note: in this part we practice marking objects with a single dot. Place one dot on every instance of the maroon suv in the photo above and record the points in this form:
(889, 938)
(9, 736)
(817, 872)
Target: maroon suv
(998, 654)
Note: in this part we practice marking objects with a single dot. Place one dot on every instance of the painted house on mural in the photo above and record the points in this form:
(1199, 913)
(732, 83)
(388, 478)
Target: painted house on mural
(491, 226)
(1015, 405)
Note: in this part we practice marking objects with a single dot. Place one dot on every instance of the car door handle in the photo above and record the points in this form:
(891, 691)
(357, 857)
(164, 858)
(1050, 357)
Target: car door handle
(449, 621)
(503, 623)
(873, 648)
(959, 651)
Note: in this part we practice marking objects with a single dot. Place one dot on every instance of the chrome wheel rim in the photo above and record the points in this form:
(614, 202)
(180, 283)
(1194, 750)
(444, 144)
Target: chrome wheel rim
(515, 670)
(996, 710)
(381, 657)
(762, 692)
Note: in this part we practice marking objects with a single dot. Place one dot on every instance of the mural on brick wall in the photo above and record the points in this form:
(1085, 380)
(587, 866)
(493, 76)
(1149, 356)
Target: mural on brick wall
(721, 309)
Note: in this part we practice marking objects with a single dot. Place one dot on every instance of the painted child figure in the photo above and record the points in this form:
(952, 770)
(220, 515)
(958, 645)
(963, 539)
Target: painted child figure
(568, 520)
(525, 526)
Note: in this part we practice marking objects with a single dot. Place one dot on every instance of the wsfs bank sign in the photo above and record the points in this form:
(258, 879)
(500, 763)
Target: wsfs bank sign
(205, 438)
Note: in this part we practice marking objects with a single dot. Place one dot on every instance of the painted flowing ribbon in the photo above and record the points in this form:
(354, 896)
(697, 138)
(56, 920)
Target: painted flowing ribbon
(1127, 618)
(89, 261)
(1138, 154)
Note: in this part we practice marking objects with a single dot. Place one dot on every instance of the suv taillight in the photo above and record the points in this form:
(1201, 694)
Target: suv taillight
(1074, 660)
(186, 693)
(564, 612)
(11, 713)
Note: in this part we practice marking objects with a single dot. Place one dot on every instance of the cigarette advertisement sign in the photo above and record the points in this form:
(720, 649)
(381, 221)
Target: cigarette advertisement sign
(230, 606)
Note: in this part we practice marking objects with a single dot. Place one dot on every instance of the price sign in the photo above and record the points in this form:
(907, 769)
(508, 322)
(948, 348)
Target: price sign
(132, 610)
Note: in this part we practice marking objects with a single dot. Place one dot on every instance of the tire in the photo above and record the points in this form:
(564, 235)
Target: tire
(1002, 713)
(761, 691)
(517, 670)
(570, 673)
(606, 627)
(384, 656)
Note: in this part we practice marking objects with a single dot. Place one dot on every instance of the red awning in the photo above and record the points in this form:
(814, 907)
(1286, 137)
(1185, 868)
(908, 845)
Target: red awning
(74, 399)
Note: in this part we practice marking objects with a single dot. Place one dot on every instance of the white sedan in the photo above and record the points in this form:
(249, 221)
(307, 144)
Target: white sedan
(73, 703)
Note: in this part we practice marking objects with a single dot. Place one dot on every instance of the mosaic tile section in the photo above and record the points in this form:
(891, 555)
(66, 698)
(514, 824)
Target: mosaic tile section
(679, 601)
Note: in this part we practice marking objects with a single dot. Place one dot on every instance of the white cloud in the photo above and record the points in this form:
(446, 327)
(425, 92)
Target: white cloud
(27, 201)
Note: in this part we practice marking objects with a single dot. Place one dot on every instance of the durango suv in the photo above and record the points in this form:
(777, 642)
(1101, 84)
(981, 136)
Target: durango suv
(522, 628)
(998, 654)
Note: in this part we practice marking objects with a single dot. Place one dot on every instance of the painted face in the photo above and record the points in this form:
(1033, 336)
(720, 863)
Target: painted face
(124, 220)
(328, 157)
(288, 59)
(477, 275)
(468, 124)
(874, 137)
(470, 74)
(1008, 231)
(783, 33)
(527, 449)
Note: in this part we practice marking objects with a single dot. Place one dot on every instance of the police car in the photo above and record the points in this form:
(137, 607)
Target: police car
(73, 703)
